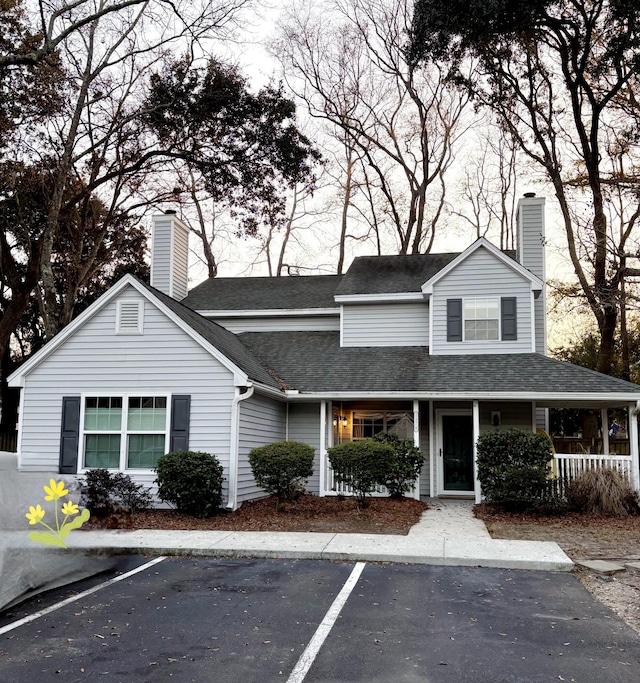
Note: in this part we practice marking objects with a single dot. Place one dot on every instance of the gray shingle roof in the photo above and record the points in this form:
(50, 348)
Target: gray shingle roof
(260, 293)
(223, 340)
(315, 362)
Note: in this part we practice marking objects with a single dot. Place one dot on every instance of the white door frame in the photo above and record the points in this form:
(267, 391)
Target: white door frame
(440, 490)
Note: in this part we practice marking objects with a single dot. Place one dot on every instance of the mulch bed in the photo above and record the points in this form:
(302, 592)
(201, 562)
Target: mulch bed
(308, 513)
(581, 536)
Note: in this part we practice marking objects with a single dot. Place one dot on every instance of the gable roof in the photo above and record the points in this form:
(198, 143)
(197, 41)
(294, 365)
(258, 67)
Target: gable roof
(482, 243)
(315, 362)
(264, 293)
(221, 343)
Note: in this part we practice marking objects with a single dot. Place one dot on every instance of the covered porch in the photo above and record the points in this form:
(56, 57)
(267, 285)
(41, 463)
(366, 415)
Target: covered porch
(446, 431)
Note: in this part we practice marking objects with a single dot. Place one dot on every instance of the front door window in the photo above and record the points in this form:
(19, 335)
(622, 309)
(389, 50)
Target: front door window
(457, 452)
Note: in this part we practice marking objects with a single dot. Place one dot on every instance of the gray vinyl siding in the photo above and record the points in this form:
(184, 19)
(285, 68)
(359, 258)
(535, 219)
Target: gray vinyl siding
(180, 264)
(304, 425)
(389, 324)
(262, 421)
(513, 415)
(531, 255)
(164, 359)
(161, 254)
(481, 275)
(294, 323)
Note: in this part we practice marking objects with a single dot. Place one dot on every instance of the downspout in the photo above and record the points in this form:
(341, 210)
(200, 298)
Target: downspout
(234, 445)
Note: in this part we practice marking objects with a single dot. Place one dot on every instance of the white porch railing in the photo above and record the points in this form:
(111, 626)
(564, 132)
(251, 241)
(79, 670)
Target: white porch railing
(334, 489)
(569, 467)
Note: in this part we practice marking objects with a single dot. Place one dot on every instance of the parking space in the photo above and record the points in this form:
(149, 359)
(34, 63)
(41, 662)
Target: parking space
(188, 619)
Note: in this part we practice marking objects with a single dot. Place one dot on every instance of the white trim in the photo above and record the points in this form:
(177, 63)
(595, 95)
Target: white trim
(323, 449)
(16, 379)
(234, 446)
(267, 312)
(440, 463)
(416, 442)
(476, 435)
(430, 303)
(613, 400)
(632, 419)
(432, 453)
(341, 326)
(535, 282)
(533, 322)
(20, 417)
(604, 418)
(374, 298)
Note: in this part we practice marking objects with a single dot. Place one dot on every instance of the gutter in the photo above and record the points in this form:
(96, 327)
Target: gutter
(234, 445)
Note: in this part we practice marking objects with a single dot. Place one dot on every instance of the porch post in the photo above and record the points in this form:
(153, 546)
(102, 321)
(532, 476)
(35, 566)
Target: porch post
(416, 442)
(433, 470)
(323, 447)
(632, 420)
(604, 418)
(476, 436)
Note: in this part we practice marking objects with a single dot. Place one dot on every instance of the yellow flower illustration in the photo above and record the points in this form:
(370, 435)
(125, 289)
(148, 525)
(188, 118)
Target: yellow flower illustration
(35, 514)
(69, 508)
(55, 490)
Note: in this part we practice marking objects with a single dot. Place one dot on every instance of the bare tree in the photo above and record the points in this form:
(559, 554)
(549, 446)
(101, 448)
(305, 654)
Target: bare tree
(346, 60)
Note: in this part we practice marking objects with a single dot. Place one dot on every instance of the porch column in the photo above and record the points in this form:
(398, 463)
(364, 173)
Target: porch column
(323, 447)
(632, 419)
(476, 436)
(416, 442)
(433, 470)
(604, 418)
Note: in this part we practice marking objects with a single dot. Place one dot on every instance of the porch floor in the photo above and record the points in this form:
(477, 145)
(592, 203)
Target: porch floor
(450, 518)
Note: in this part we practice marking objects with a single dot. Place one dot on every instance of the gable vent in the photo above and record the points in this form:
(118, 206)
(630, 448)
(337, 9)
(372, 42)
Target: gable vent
(129, 317)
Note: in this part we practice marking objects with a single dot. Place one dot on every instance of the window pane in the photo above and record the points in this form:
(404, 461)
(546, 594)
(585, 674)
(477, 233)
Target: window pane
(146, 417)
(144, 450)
(102, 450)
(103, 414)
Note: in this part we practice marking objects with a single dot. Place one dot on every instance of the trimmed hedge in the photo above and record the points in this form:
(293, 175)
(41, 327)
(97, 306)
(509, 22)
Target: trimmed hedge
(106, 493)
(191, 481)
(514, 469)
(282, 468)
(405, 466)
(362, 465)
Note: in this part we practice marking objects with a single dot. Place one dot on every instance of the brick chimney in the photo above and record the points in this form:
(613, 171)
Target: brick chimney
(170, 255)
(530, 253)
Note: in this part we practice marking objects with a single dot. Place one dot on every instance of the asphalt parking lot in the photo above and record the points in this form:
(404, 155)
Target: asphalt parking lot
(206, 620)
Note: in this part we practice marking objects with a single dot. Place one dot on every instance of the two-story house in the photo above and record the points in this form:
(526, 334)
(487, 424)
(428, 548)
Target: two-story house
(436, 347)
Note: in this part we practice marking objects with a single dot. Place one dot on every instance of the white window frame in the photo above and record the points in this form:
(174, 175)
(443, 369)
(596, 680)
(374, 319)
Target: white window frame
(140, 317)
(124, 432)
(464, 319)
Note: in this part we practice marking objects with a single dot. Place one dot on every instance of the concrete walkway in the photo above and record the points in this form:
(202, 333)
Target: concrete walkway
(447, 534)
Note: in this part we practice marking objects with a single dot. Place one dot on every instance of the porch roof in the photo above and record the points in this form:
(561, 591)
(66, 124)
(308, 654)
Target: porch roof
(314, 362)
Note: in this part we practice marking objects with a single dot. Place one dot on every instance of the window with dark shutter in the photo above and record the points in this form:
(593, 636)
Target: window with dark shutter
(509, 318)
(454, 319)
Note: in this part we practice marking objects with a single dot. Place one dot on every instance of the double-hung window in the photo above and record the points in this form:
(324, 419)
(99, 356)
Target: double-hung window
(124, 432)
(481, 319)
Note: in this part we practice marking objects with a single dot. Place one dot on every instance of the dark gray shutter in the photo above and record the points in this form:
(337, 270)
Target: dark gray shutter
(509, 318)
(69, 435)
(180, 412)
(454, 319)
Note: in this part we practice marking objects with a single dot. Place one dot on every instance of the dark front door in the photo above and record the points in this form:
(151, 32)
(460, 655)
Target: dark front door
(457, 452)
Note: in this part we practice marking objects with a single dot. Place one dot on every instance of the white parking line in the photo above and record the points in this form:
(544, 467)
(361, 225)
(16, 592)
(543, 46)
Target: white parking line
(52, 608)
(311, 651)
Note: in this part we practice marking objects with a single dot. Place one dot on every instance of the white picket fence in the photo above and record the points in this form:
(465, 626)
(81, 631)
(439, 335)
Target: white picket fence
(570, 467)
(332, 488)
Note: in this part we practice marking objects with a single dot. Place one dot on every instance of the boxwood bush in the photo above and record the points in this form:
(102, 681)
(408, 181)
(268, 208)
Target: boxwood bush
(405, 465)
(362, 465)
(514, 469)
(191, 481)
(282, 468)
(107, 493)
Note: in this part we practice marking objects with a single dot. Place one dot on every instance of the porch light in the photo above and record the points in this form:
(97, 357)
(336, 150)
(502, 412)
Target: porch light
(342, 419)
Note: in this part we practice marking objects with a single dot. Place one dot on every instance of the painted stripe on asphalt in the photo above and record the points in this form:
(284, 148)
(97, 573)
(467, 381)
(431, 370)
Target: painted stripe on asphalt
(52, 608)
(311, 651)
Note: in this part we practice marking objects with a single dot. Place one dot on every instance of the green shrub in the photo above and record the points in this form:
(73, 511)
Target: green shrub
(405, 466)
(603, 491)
(362, 465)
(513, 469)
(282, 468)
(190, 481)
(106, 493)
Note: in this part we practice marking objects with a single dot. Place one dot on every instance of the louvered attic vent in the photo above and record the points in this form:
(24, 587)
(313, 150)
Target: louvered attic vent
(129, 318)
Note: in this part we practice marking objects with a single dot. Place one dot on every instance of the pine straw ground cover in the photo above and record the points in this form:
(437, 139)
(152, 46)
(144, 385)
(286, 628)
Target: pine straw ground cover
(308, 513)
